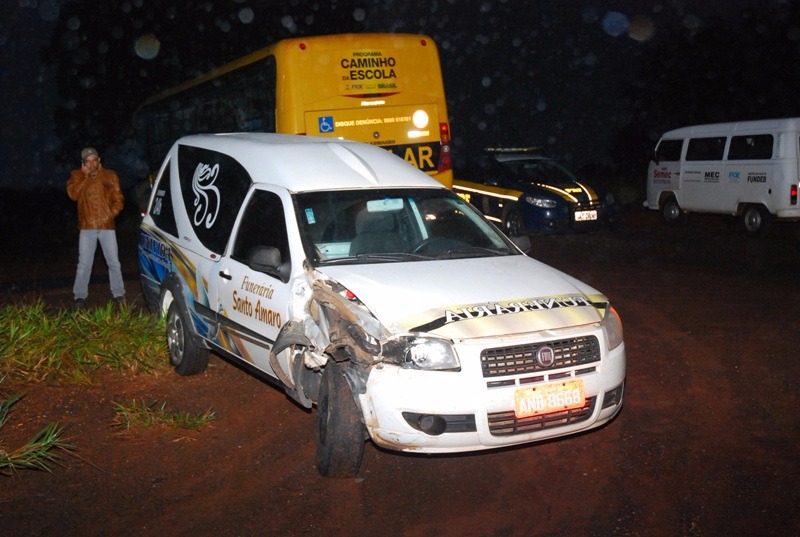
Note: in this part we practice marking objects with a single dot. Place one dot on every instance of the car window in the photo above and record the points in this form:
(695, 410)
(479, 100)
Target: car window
(161, 211)
(378, 226)
(263, 224)
(535, 171)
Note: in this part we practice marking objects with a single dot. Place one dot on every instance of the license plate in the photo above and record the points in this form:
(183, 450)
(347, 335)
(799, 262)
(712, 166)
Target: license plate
(547, 398)
(585, 216)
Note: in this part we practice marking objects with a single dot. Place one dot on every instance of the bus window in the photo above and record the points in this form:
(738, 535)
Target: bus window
(706, 148)
(753, 146)
(381, 89)
(669, 150)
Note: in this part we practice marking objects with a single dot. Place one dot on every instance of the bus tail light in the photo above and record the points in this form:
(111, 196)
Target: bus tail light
(793, 194)
(445, 161)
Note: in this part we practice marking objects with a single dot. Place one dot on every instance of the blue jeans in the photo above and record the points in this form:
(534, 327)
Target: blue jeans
(87, 245)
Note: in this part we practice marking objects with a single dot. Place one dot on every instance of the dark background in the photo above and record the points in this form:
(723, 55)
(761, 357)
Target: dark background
(593, 83)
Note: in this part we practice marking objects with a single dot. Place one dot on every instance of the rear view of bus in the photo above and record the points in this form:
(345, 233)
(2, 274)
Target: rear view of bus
(381, 89)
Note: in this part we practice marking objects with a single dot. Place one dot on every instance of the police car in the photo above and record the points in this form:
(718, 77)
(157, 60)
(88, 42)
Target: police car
(366, 289)
(527, 193)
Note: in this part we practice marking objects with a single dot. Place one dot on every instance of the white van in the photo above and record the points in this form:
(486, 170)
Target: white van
(361, 285)
(749, 169)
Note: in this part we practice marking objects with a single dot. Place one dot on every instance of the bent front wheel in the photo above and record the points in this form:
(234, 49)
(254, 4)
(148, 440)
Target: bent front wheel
(340, 432)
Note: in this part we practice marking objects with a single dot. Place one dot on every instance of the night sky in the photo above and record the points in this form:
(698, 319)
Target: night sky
(574, 77)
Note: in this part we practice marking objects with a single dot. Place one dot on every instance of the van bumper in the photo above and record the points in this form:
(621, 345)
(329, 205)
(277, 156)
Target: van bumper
(470, 414)
(788, 214)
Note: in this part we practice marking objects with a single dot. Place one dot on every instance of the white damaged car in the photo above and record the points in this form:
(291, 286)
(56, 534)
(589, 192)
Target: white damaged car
(363, 287)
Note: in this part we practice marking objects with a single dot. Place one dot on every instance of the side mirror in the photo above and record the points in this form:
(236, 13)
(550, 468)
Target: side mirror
(267, 259)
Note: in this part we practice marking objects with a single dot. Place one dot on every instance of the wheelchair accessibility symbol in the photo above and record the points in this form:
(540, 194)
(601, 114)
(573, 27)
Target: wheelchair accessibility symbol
(326, 124)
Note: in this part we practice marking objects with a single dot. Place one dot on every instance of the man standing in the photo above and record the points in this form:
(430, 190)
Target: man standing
(99, 201)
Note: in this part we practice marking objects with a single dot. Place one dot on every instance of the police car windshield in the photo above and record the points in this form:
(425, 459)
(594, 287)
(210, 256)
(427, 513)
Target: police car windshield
(392, 225)
(535, 171)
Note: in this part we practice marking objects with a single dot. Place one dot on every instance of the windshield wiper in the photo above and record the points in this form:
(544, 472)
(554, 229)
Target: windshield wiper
(476, 250)
(393, 257)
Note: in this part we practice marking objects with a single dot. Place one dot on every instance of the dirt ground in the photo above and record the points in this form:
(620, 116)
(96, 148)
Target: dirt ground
(706, 444)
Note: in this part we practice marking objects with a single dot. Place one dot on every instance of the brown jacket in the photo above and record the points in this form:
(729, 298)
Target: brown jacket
(99, 198)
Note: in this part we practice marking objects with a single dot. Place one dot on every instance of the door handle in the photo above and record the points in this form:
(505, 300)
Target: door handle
(225, 275)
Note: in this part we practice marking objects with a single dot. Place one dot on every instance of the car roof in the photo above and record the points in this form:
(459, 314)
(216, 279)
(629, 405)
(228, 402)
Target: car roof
(308, 163)
(507, 156)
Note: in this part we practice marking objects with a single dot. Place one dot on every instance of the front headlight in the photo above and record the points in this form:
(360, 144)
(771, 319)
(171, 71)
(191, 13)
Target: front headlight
(612, 328)
(421, 352)
(544, 203)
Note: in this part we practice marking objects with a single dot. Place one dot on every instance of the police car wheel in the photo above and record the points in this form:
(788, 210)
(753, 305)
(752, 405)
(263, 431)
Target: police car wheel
(513, 226)
(184, 354)
(340, 433)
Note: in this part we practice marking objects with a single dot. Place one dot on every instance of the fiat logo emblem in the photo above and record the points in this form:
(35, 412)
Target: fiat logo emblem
(546, 356)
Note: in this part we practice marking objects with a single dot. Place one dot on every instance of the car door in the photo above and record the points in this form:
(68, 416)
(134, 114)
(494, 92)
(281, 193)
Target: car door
(252, 304)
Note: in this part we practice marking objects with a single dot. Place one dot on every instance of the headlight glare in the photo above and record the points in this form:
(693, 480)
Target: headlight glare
(422, 352)
(544, 203)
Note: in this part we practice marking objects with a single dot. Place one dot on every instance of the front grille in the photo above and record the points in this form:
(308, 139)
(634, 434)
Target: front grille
(507, 424)
(521, 359)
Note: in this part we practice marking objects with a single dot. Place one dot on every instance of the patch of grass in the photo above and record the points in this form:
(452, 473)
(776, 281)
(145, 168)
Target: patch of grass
(39, 453)
(63, 345)
(151, 415)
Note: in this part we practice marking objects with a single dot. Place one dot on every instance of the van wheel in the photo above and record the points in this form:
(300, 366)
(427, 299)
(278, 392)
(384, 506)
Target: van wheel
(671, 212)
(513, 225)
(340, 433)
(187, 357)
(756, 220)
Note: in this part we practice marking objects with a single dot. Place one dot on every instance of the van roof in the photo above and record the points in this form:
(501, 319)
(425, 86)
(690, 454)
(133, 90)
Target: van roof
(306, 163)
(790, 123)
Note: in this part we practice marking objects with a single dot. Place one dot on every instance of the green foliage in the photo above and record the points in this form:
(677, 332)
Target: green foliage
(150, 415)
(37, 344)
(39, 452)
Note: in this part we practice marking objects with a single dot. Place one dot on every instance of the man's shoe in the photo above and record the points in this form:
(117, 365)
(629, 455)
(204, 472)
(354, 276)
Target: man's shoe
(79, 304)
(119, 301)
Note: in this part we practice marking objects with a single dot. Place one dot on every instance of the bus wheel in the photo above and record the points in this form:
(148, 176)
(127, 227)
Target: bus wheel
(671, 212)
(513, 226)
(340, 433)
(756, 220)
(187, 357)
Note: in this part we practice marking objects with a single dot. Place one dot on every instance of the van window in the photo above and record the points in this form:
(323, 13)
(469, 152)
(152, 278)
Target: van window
(213, 188)
(754, 146)
(263, 224)
(161, 210)
(706, 148)
(669, 150)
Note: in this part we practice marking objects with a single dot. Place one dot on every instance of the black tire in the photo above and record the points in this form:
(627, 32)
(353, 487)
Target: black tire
(340, 432)
(184, 354)
(756, 220)
(513, 225)
(671, 212)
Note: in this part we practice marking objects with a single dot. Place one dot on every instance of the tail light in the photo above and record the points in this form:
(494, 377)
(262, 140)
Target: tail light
(445, 161)
(793, 194)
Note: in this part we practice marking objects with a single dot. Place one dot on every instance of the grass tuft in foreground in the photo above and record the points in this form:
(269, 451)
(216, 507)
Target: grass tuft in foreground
(150, 415)
(37, 344)
(39, 453)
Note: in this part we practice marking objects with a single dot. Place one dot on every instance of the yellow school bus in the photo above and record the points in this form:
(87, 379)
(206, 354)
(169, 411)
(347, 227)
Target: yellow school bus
(381, 89)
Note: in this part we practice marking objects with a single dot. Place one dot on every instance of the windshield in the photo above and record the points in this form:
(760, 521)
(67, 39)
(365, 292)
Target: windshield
(537, 171)
(389, 225)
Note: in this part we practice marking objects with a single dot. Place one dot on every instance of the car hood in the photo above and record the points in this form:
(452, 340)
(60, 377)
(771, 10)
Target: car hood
(468, 298)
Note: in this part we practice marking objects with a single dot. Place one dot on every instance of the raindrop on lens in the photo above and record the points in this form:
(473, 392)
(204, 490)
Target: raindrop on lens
(147, 47)
(615, 23)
